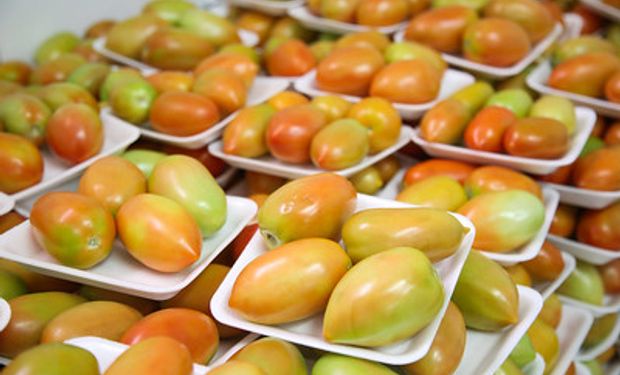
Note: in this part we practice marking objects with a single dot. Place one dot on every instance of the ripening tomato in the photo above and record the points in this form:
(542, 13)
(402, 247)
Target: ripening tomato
(547, 265)
(191, 328)
(561, 175)
(407, 81)
(371, 38)
(612, 134)
(598, 170)
(592, 22)
(610, 273)
(601, 228)
(227, 91)
(171, 81)
(112, 181)
(612, 88)
(75, 229)
(216, 166)
(381, 12)
(236, 63)
(334, 107)
(492, 178)
(445, 122)
(486, 130)
(290, 59)
(9, 220)
(585, 74)
(156, 355)
(256, 22)
(495, 41)
(183, 113)
(15, 71)
(287, 99)
(24, 115)
(74, 133)
(349, 70)
(564, 221)
(438, 167)
(536, 137)
(381, 118)
(20, 162)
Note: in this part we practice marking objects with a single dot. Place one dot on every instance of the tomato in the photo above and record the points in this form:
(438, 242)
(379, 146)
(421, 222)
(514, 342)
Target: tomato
(191, 328)
(183, 113)
(369, 38)
(75, 229)
(519, 274)
(612, 88)
(445, 122)
(236, 63)
(491, 178)
(532, 15)
(15, 71)
(536, 137)
(21, 163)
(24, 115)
(610, 273)
(486, 130)
(383, 120)
(161, 355)
(99, 29)
(598, 170)
(495, 41)
(10, 220)
(438, 167)
(547, 265)
(74, 133)
(585, 74)
(334, 107)
(240, 242)
(272, 356)
(349, 70)
(591, 21)
(171, 81)
(143, 305)
(58, 94)
(600, 228)
(112, 181)
(564, 221)
(37, 361)
(381, 12)
(227, 91)
(175, 48)
(407, 81)
(612, 134)
(287, 99)
(599, 127)
(56, 70)
(257, 22)
(292, 58)
(388, 167)
(561, 175)
(290, 132)
(441, 28)
(216, 166)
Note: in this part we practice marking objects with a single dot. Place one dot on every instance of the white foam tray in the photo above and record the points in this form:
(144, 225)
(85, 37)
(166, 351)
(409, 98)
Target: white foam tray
(536, 367)
(590, 254)
(581, 369)
(6, 203)
(5, 313)
(120, 272)
(611, 305)
(262, 89)
(585, 122)
(486, 351)
(270, 165)
(603, 9)
(117, 136)
(500, 72)
(572, 330)
(547, 288)
(573, 23)
(585, 198)
(452, 81)
(311, 21)
(271, 7)
(308, 332)
(595, 351)
(537, 81)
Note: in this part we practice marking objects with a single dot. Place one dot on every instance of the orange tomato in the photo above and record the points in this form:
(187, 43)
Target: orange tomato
(171, 81)
(183, 113)
(610, 273)
(349, 70)
(227, 91)
(559, 176)
(612, 88)
(20, 162)
(536, 137)
(438, 167)
(334, 107)
(598, 170)
(564, 221)
(381, 12)
(371, 38)
(612, 134)
(492, 178)
(236, 63)
(383, 120)
(495, 41)
(291, 58)
(287, 99)
(547, 265)
(599, 127)
(407, 81)
(486, 130)
(601, 228)
(257, 22)
(10, 220)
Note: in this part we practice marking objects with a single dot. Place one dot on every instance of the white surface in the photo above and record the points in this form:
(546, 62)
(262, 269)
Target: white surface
(536, 367)
(262, 89)
(537, 81)
(596, 350)
(270, 165)
(603, 9)
(547, 288)
(452, 81)
(572, 330)
(613, 369)
(590, 254)
(573, 23)
(611, 304)
(120, 272)
(272, 7)
(6, 203)
(306, 18)
(486, 351)
(585, 122)
(231, 347)
(308, 332)
(530, 249)
(585, 198)
(117, 136)
(494, 71)
(581, 369)
(5, 313)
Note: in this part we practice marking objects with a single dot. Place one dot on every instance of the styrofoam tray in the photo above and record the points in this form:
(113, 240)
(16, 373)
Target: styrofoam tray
(117, 136)
(613, 368)
(271, 7)
(590, 254)
(573, 23)
(572, 330)
(547, 288)
(585, 198)
(311, 21)
(5, 313)
(581, 369)
(494, 71)
(452, 81)
(603, 9)
(262, 89)
(120, 272)
(6, 203)
(595, 351)
(270, 165)
(486, 351)
(536, 367)
(537, 81)
(585, 122)
(308, 332)
(611, 304)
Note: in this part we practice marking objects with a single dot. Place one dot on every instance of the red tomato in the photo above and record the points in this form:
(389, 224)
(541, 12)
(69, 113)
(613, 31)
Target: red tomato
(349, 70)
(547, 265)
(598, 170)
(74, 133)
(20, 162)
(591, 21)
(495, 41)
(183, 113)
(610, 273)
(486, 130)
(559, 176)
(612, 135)
(438, 167)
(601, 228)
(612, 88)
(536, 137)
(236, 63)
(564, 221)
(291, 58)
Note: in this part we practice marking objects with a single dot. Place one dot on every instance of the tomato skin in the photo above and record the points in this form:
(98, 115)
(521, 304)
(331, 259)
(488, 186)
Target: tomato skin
(533, 16)
(9, 220)
(612, 134)
(20, 162)
(561, 175)
(381, 12)
(75, 133)
(547, 265)
(610, 273)
(486, 130)
(287, 99)
(434, 167)
(601, 228)
(24, 115)
(75, 229)
(585, 74)
(612, 88)
(598, 170)
(227, 91)
(174, 48)
(564, 221)
(183, 113)
(408, 81)
(292, 58)
(591, 21)
(15, 71)
(155, 355)
(159, 233)
(349, 70)
(382, 120)
(171, 81)
(495, 41)
(236, 63)
(445, 122)
(536, 137)
(492, 178)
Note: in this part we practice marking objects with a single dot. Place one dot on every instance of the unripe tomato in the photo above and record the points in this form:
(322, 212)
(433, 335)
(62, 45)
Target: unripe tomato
(20, 162)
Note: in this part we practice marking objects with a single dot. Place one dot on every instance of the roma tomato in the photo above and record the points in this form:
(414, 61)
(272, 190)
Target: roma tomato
(183, 113)
(226, 90)
(236, 63)
(610, 273)
(612, 88)
(349, 70)
(492, 178)
(74, 133)
(441, 28)
(561, 175)
(370, 38)
(536, 137)
(287, 99)
(601, 227)
(292, 58)
(445, 122)
(159, 233)
(191, 328)
(334, 107)
(161, 355)
(112, 181)
(75, 229)
(216, 166)
(381, 118)
(9, 220)
(15, 71)
(175, 48)
(612, 134)
(24, 115)
(547, 265)
(564, 221)
(599, 170)
(381, 12)
(585, 74)
(171, 81)
(495, 41)
(532, 15)
(407, 81)
(259, 183)
(438, 167)
(486, 130)
(20, 162)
